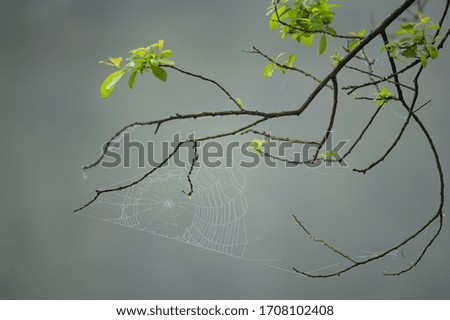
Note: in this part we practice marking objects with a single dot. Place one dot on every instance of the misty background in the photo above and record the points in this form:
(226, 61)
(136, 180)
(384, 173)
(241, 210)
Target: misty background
(53, 121)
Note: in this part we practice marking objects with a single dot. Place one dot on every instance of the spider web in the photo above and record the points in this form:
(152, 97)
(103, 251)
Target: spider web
(214, 219)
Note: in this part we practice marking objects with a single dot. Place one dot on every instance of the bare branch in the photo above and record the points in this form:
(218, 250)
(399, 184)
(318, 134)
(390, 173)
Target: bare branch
(191, 116)
(369, 124)
(373, 81)
(353, 88)
(194, 160)
(423, 105)
(162, 163)
(326, 244)
(402, 100)
(332, 117)
(198, 76)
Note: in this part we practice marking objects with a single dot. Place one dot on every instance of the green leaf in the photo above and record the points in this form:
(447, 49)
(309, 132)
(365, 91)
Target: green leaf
(167, 62)
(406, 28)
(409, 53)
(291, 59)
(257, 145)
(433, 51)
(110, 82)
(150, 55)
(384, 93)
(335, 5)
(239, 102)
(433, 26)
(382, 96)
(336, 58)
(393, 52)
(331, 30)
(401, 31)
(107, 63)
(140, 65)
(165, 54)
(268, 71)
(113, 62)
(116, 61)
(130, 65)
(280, 55)
(405, 40)
(159, 73)
(131, 79)
(138, 52)
(423, 60)
(420, 14)
(154, 63)
(273, 22)
(353, 44)
(307, 39)
(322, 44)
(423, 19)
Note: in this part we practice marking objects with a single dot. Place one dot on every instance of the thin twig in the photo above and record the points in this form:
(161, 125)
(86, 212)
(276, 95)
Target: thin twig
(326, 244)
(207, 80)
(194, 161)
(369, 124)
(332, 117)
(402, 100)
(306, 74)
(126, 186)
(375, 76)
(353, 88)
(287, 139)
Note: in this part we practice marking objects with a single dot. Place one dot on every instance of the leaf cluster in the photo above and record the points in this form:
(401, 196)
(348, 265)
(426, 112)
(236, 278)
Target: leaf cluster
(417, 41)
(150, 58)
(302, 20)
(383, 96)
(352, 44)
(271, 67)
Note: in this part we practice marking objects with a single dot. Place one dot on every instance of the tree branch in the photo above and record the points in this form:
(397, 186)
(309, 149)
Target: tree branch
(198, 76)
(258, 117)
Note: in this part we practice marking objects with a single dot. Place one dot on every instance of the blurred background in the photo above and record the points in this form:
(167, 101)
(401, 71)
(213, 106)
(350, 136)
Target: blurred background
(53, 121)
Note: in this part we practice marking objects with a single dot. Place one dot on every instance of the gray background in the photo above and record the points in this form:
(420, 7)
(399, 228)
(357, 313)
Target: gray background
(53, 121)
